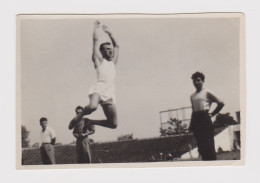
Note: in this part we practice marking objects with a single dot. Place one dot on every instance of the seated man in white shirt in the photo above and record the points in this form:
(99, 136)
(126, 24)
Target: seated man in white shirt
(48, 139)
(201, 124)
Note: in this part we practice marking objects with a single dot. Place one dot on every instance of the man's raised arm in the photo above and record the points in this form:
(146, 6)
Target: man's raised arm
(96, 57)
(116, 46)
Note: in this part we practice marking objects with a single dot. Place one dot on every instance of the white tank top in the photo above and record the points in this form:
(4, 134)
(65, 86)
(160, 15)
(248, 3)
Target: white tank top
(106, 71)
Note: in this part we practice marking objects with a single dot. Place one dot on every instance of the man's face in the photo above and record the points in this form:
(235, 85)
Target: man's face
(198, 83)
(107, 51)
(44, 124)
(78, 111)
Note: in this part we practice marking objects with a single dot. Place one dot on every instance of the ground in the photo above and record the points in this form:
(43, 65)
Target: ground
(229, 155)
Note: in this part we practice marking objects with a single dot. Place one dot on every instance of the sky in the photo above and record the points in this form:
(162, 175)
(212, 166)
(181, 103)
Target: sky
(156, 60)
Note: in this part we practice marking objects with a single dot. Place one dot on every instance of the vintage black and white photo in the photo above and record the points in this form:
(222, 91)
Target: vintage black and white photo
(130, 90)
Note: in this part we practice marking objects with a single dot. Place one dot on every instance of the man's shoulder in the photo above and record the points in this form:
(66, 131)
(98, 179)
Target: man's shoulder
(50, 129)
(205, 91)
(85, 121)
(208, 91)
(109, 61)
(193, 94)
(87, 125)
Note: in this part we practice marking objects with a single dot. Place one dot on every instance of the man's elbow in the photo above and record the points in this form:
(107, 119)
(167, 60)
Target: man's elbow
(70, 127)
(53, 141)
(93, 57)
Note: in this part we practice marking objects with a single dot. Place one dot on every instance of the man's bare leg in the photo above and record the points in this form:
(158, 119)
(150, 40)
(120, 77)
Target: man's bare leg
(93, 105)
(111, 115)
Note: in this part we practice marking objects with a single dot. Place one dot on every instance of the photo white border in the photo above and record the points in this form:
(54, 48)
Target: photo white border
(136, 165)
(239, 174)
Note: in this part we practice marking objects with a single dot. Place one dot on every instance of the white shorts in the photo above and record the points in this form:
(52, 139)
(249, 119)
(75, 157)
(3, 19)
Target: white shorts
(105, 90)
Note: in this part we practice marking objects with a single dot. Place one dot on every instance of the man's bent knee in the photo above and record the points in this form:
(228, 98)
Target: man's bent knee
(113, 124)
(90, 108)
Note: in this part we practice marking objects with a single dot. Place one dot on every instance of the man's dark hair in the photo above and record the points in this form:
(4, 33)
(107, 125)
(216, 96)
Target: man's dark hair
(198, 75)
(78, 107)
(43, 119)
(102, 45)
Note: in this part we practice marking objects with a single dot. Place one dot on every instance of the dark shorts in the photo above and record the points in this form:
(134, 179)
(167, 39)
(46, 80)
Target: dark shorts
(202, 128)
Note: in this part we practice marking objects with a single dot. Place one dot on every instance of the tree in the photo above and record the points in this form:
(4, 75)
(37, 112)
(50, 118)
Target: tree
(125, 137)
(25, 135)
(163, 132)
(223, 120)
(175, 127)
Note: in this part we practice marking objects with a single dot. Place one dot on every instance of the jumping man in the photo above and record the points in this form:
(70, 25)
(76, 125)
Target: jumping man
(104, 57)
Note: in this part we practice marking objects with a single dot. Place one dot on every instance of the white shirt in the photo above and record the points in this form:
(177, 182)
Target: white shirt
(203, 99)
(47, 135)
(106, 71)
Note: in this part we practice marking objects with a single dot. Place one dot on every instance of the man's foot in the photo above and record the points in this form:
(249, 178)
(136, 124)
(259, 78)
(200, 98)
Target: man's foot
(87, 122)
